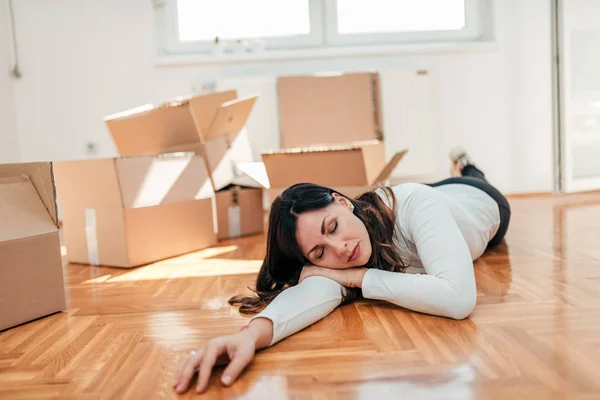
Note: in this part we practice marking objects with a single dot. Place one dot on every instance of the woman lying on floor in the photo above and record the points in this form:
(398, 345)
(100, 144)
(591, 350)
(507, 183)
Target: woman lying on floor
(412, 245)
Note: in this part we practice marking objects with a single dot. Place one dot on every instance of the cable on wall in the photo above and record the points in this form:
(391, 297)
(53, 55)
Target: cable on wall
(15, 71)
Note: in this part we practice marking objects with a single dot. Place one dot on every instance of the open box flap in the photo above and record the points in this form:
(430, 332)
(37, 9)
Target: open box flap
(204, 108)
(230, 117)
(176, 125)
(41, 175)
(154, 131)
(389, 168)
(22, 211)
(257, 172)
(343, 107)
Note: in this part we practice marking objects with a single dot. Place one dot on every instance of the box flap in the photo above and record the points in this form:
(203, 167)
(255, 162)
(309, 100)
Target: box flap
(203, 108)
(41, 175)
(374, 159)
(149, 181)
(257, 172)
(153, 131)
(177, 125)
(223, 154)
(387, 170)
(231, 117)
(330, 109)
(22, 211)
(88, 183)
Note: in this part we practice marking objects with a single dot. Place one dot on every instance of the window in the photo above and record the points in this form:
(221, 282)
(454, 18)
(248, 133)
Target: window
(191, 26)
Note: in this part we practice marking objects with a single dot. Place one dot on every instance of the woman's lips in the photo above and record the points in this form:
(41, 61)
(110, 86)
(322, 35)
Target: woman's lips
(355, 253)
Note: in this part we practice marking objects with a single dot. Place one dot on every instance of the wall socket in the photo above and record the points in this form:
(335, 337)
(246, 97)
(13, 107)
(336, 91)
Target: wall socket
(91, 148)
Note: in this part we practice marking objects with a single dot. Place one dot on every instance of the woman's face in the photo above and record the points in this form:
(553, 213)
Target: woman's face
(333, 237)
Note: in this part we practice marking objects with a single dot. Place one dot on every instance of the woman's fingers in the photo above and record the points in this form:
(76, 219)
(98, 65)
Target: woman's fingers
(181, 366)
(213, 350)
(188, 369)
(241, 359)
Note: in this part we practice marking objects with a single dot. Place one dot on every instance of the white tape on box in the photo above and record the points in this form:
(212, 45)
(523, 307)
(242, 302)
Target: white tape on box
(234, 221)
(91, 236)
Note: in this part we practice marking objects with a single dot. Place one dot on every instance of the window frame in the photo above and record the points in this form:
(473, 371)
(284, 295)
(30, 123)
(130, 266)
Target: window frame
(168, 31)
(471, 31)
(323, 31)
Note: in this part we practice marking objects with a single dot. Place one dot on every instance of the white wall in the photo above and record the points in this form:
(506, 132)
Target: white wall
(84, 60)
(9, 145)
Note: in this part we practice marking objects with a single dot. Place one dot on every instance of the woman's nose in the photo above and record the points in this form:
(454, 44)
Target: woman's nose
(341, 247)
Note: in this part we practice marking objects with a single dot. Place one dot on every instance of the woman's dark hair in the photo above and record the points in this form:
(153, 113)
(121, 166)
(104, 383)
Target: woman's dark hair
(284, 259)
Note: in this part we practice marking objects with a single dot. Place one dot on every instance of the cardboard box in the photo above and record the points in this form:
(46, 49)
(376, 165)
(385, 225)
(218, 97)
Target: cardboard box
(31, 276)
(239, 211)
(351, 169)
(131, 211)
(208, 125)
(212, 125)
(329, 109)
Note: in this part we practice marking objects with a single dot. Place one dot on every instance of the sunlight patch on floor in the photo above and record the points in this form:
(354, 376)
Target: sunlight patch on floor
(173, 269)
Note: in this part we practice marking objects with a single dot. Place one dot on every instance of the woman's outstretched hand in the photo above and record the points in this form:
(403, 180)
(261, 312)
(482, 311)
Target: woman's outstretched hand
(236, 351)
(349, 277)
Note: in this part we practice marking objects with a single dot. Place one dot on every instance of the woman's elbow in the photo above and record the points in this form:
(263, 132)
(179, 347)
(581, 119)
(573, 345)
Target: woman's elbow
(463, 308)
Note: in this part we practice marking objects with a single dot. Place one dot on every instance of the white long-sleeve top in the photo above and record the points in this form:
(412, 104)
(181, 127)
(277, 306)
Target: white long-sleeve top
(439, 232)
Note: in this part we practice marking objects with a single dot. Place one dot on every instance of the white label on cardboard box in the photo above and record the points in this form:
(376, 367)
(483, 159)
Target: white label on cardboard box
(234, 221)
(91, 236)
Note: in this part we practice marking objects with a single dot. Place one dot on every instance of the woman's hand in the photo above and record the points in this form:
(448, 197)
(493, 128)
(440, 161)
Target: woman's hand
(349, 277)
(236, 350)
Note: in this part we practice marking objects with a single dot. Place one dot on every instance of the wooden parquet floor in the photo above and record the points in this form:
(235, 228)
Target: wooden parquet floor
(535, 333)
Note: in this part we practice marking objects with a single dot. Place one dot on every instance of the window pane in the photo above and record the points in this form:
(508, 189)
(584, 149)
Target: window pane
(360, 16)
(232, 19)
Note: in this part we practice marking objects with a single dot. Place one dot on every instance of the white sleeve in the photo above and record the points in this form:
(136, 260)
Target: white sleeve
(448, 289)
(302, 305)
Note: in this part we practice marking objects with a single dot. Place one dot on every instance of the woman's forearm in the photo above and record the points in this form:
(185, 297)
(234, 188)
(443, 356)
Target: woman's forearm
(298, 307)
(261, 332)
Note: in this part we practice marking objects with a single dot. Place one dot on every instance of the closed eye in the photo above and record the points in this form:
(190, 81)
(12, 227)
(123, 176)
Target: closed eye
(321, 253)
(334, 228)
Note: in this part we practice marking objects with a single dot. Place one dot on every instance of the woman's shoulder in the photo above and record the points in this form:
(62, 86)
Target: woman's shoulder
(407, 196)
(402, 191)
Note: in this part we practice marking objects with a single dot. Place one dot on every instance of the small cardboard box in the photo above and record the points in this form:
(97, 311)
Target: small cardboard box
(130, 211)
(239, 211)
(351, 169)
(329, 109)
(31, 276)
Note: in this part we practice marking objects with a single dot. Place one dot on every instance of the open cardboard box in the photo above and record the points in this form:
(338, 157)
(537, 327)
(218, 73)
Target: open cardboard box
(131, 211)
(351, 169)
(212, 125)
(331, 134)
(330, 108)
(31, 276)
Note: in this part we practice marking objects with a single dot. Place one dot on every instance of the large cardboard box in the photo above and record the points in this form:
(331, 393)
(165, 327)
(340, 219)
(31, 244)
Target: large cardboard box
(212, 125)
(130, 211)
(331, 134)
(31, 276)
(336, 108)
